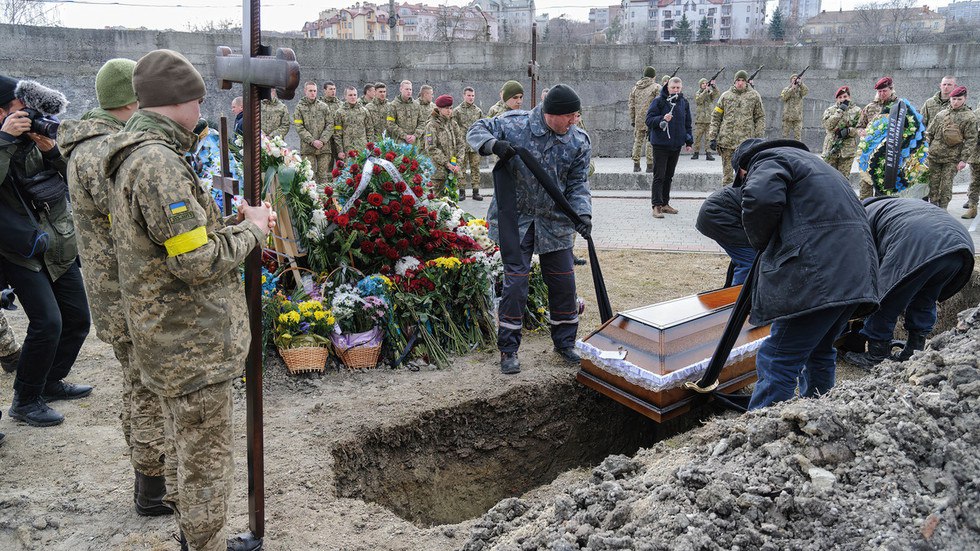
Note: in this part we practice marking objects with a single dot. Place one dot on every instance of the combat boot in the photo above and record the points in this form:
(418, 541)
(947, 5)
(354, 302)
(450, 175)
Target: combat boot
(916, 341)
(878, 352)
(462, 193)
(476, 195)
(708, 156)
(695, 156)
(244, 542)
(569, 355)
(509, 364)
(149, 496)
(649, 168)
(970, 213)
(9, 362)
(636, 166)
(33, 411)
(60, 390)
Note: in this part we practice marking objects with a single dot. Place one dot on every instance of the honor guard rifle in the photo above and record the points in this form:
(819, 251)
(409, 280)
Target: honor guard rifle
(799, 76)
(753, 75)
(672, 75)
(718, 74)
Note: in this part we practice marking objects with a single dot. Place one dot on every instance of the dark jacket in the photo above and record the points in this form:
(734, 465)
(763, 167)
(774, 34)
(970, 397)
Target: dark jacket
(720, 217)
(909, 234)
(816, 243)
(678, 131)
(240, 124)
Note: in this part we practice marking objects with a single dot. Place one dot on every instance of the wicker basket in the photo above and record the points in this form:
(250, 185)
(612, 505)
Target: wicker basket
(305, 359)
(360, 357)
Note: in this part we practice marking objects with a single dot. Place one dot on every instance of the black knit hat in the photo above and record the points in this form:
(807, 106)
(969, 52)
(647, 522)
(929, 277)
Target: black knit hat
(561, 100)
(7, 87)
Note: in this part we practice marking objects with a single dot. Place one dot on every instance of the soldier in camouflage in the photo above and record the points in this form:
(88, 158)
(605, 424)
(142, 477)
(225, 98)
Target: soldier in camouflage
(314, 124)
(178, 274)
(511, 97)
(443, 142)
(792, 98)
(549, 133)
(9, 347)
(974, 192)
(84, 145)
(939, 101)
(641, 96)
(841, 123)
(378, 109)
(952, 136)
(275, 117)
(351, 124)
(465, 114)
(885, 98)
(737, 116)
(405, 121)
(368, 95)
(333, 104)
(704, 101)
(425, 98)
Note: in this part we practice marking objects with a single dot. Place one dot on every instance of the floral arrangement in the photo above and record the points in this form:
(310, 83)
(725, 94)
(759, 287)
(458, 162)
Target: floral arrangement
(912, 166)
(356, 311)
(303, 323)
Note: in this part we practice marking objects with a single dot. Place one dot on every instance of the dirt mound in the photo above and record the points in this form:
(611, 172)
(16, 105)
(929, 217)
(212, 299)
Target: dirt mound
(887, 462)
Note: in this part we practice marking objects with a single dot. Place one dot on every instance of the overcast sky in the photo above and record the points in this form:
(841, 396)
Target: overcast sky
(281, 15)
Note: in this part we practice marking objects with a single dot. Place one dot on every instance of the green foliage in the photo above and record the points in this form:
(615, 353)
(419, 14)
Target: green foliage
(704, 31)
(777, 27)
(683, 31)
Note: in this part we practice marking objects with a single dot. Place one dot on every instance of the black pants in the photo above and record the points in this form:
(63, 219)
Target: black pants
(664, 163)
(59, 321)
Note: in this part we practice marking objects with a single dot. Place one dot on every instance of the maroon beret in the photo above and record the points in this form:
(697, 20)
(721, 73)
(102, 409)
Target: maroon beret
(958, 91)
(883, 82)
(842, 90)
(444, 101)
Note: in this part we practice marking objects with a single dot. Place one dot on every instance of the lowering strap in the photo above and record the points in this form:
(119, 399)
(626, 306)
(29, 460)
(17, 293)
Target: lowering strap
(505, 190)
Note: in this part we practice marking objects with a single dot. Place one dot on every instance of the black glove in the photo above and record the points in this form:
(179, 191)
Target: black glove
(585, 227)
(633, 124)
(503, 149)
(713, 144)
(844, 104)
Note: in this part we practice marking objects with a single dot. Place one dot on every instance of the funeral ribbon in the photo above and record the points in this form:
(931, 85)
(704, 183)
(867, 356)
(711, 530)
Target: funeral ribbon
(365, 179)
(893, 145)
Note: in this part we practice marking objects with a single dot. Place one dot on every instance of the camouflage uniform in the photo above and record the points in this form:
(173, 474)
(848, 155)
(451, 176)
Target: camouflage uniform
(83, 143)
(704, 101)
(425, 105)
(351, 124)
(443, 142)
(641, 96)
(497, 109)
(314, 122)
(943, 157)
(974, 193)
(378, 110)
(186, 309)
(792, 98)
(932, 107)
(275, 118)
(869, 114)
(465, 115)
(8, 341)
(333, 145)
(404, 118)
(842, 156)
(737, 116)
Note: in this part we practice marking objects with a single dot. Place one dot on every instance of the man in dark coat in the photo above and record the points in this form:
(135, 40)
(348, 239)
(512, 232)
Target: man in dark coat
(720, 218)
(669, 128)
(818, 264)
(924, 256)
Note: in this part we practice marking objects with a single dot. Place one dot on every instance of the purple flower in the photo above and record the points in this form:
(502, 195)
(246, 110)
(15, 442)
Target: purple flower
(304, 327)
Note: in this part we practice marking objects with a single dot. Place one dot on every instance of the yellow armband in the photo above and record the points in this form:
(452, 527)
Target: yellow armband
(298, 121)
(392, 119)
(187, 241)
(719, 110)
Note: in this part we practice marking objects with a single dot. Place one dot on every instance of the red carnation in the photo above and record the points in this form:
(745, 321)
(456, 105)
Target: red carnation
(359, 226)
(451, 237)
(407, 226)
(386, 210)
(431, 196)
(358, 202)
(416, 240)
(417, 179)
(390, 155)
(407, 210)
(392, 253)
(343, 220)
(423, 210)
(328, 191)
(376, 169)
(420, 221)
(377, 152)
(370, 145)
(389, 230)
(428, 247)
(352, 211)
(367, 246)
(335, 172)
(388, 186)
(402, 168)
(415, 165)
(408, 200)
(402, 244)
(375, 199)
(352, 153)
(433, 215)
(395, 216)
(432, 225)
(375, 230)
(371, 216)
(339, 164)
(395, 205)
(349, 181)
(401, 187)
(417, 190)
(354, 169)
(330, 215)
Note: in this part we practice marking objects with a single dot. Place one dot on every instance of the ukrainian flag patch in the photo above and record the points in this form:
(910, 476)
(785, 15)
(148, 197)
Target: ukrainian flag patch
(177, 208)
(178, 212)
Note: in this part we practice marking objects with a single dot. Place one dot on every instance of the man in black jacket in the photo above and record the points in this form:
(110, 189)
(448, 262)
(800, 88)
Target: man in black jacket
(817, 265)
(720, 218)
(925, 256)
(669, 128)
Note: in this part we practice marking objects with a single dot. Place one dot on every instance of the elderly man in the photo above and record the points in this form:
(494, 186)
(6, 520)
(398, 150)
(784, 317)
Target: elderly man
(549, 134)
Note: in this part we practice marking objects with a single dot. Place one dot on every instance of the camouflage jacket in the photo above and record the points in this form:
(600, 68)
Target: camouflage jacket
(178, 269)
(83, 143)
(835, 118)
(465, 115)
(333, 105)
(404, 118)
(641, 96)
(873, 110)
(378, 110)
(566, 157)
(792, 98)
(704, 101)
(364, 101)
(932, 107)
(497, 108)
(443, 142)
(313, 121)
(352, 123)
(940, 151)
(425, 105)
(275, 118)
(737, 116)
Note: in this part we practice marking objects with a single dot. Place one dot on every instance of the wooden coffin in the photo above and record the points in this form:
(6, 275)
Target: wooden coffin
(664, 341)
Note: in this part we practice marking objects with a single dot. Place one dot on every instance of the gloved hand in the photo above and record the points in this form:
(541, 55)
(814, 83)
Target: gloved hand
(843, 132)
(585, 227)
(503, 149)
(713, 144)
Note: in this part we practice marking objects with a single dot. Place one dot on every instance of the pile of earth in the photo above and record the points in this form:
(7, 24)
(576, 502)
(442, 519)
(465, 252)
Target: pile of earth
(887, 462)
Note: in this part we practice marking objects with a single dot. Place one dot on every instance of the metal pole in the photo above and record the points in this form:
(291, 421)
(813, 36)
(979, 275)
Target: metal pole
(534, 65)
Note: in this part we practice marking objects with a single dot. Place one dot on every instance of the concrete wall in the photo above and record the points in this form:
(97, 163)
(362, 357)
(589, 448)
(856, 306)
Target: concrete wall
(603, 75)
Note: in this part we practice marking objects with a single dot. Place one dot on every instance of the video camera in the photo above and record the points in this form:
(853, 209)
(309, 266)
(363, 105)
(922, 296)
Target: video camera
(42, 105)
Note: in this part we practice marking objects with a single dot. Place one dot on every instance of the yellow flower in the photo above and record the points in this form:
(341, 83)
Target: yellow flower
(331, 320)
(319, 315)
(386, 281)
(541, 309)
(263, 279)
(283, 318)
(445, 262)
(293, 316)
(477, 222)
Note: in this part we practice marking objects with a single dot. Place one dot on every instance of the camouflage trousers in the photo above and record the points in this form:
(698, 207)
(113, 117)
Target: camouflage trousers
(941, 183)
(727, 174)
(974, 193)
(640, 141)
(841, 163)
(471, 163)
(141, 416)
(8, 341)
(199, 464)
(321, 166)
(793, 130)
(701, 136)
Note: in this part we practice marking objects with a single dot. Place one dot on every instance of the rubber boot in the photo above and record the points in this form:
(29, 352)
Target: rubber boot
(636, 166)
(695, 156)
(33, 411)
(916, 341)
(708, 156)
(878, 351)
(149, 496)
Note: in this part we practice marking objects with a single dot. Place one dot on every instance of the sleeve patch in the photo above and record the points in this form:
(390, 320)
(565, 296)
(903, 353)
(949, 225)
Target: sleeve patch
(178, 212)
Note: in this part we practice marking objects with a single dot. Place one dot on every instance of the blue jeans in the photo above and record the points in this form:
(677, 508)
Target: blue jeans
(800, 351)
(916, 298)
(742, 258)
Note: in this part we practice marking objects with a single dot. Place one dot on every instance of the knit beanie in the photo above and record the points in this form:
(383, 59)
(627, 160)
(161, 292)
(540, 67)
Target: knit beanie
(164, 77)
(663, 81)
(511, 88)
(7, 87)
(114, 83)
(702, 81)
(744, 75)
(562, 100)
(444, 100)
(649, 72)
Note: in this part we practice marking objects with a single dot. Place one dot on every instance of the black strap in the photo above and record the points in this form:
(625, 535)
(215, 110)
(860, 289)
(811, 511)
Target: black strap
(893, 144)
(505, 191)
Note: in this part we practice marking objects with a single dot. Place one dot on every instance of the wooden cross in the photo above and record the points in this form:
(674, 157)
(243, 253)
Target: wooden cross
(225, 183)
(258, 72)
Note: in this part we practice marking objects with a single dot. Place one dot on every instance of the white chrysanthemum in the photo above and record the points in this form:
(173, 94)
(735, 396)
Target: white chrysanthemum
(313, 233)
(405, 264)
(319, 218)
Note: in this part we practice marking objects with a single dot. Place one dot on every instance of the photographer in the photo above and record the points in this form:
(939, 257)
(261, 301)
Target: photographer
(38, 254)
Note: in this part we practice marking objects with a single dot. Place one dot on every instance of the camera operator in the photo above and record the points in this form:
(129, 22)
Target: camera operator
(42, 268)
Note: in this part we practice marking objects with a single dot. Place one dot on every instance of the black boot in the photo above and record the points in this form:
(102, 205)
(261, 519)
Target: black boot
(9, 362)
(636, 166)
(878, 352)
(462, 193)
(60, 390)
(708, 156)
(569, 355)
(695, 156)
(244, 542)
(33, 411)
(916, 341)
(649, 168)
(149, 496)
(579, 261)
(476, 195)
(509, 364)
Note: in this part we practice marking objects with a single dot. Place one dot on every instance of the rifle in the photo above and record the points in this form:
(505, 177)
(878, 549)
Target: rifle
(718, 74)
(752, 77)
(799, 77)
(675, 72)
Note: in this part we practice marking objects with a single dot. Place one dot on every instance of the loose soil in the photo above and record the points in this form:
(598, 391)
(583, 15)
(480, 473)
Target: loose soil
(407, 460)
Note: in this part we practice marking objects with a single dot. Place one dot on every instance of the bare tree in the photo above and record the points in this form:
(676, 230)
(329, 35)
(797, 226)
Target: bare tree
(887, 21)
(213, 26)
(28, 12)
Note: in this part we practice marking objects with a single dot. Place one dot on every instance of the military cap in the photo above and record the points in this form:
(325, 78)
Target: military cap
(958, 91)
(702, 81)
(842, 90)
(741, 75)
(883, 82)
(650, 72)
(114, 83)
(510, 89)
(164, 77)
(444, 100)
